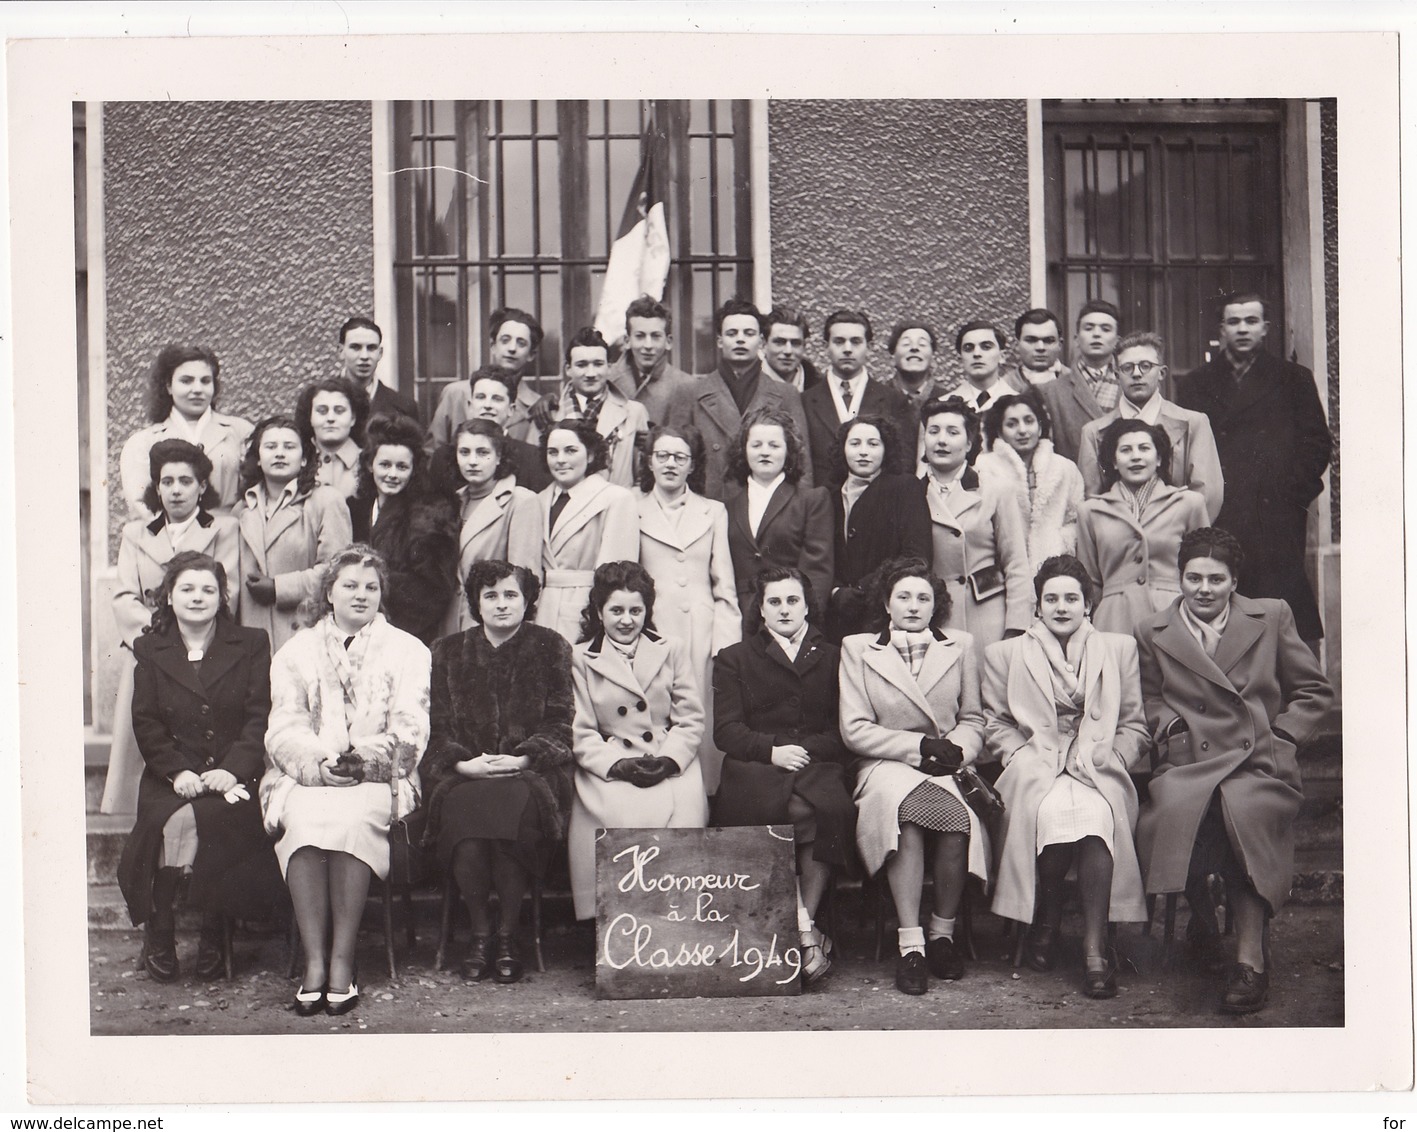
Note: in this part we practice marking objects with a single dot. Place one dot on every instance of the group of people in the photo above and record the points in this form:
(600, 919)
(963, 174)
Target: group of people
(625, 604)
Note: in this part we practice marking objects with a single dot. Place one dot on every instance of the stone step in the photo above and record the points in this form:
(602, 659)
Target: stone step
(106, 835)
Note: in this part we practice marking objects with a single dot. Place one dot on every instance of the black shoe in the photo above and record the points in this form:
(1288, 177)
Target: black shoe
(944, 959)
(1100, 984)
(309, 1003)
(912, 976)
(507, 968)
(1040, 946)
(1246, 990)
(477, 964)
(160, 954)
(211, 959)
(342, 1002)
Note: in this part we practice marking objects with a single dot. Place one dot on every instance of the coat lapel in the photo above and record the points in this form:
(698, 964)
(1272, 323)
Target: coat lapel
(780, 499)
(887, 663)
(650, 657)
(1119, 509)
(1038, 667)
(602, 659)
(940, 657)
(171, 658)
(285, 517)
(252, 535)
(718, 403)
(1176, 641)
(819, 405)
(738, 516)
(585, 505)
(221, 657)
(487, 511)
(1244, 628)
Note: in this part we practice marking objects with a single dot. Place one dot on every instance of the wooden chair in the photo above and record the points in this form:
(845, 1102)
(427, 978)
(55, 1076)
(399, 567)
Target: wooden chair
(445, 921)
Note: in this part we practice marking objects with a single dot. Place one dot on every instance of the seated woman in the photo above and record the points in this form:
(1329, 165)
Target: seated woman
(333, 412)
(1128, 535)
(878, 513)
(1071, 801)
(349, 721)
(776, 706)
(639, 722)
(1020, 457)
(1230, 692)
(413, 527)
(498, 771)
(910, 713)
(201, 693)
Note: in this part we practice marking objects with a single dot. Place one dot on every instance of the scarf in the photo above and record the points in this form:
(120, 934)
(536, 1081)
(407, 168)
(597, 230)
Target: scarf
(1208, 635)
(1065, 662)
(912, 647)
(1137, 500)
(851, 491)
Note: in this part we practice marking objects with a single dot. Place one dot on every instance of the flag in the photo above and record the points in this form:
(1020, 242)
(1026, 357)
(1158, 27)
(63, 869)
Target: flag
(639, 258)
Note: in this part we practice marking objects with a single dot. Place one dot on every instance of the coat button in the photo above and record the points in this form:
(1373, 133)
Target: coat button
(1096, 714)
(206, 710)
(1141, 579)
(208, 734)
(681, 556)
(627, 742)
(1137, 557)
(648, 735)
(640, 705)
(211, 760)
(1201, 708)
(959, 579)
(1246, 744)
(1205, 746)
(683, 581)
(623, 710)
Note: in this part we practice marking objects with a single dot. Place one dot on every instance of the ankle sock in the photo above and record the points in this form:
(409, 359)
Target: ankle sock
(804, 919)
(911, 939)
(940, 927)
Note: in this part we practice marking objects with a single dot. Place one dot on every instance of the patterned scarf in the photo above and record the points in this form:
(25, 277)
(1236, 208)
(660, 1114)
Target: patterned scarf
(1137, 500)
(1102, 384)
(912, 647)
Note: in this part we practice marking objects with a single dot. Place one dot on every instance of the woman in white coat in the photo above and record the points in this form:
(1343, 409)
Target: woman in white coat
(585, 521)
(684, 544)
(910, 712)
(639, 721)
(1063, 712)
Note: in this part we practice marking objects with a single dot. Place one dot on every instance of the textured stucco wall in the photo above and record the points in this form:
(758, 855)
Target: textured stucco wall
(900, 207)
(244, 226)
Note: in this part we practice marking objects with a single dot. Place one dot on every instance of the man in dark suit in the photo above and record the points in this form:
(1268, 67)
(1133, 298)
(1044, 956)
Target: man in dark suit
(846, 392)
(1274, 446)
(361, 345)
(494, 393)
(785, 349)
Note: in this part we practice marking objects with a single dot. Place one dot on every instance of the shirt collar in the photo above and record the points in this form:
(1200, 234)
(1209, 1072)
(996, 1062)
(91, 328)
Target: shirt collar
(1148, 412)
(755, 488)
(790, 645)
(190, 429)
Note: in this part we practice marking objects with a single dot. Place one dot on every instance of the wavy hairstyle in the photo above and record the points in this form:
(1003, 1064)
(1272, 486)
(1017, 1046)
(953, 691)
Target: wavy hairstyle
(980, 324)
(937, 406)
(888, 575)
(494, 433)
(753, 611)
(180, 563)
(609, 577)
(1111, 437)
(490, 571)
(318, 606)
(1211, 542)
(251, 461)
(1063, 566)
(596, 447)
(174, 451)
(796, 462)
(893, 461)
(994, 415)
(698, 465)
(395, 431)
(160, 376)
(358, 404)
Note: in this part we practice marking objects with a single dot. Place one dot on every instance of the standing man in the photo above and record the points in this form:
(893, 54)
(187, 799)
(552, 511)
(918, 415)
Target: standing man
(785, 350)
(361, 346)
(643, 371)
(588, 395)
(1091, 388)
(723, 397)
(513, 340)
(912, 348)
(1274, 446)
(494, 393)
(980, 346)
(847, 392)
(1195, 463)
(1039, 347)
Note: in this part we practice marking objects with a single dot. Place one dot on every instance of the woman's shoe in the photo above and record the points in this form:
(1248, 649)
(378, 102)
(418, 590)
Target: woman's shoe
(507, 968)
(944, 959)
(477, 964)
(1100, 982)
(1246, 990)
(816, 956)
(1040, 946)
(211, 959)
(160, 953)
(309, 1003)
(912, 976)
(342, 1002)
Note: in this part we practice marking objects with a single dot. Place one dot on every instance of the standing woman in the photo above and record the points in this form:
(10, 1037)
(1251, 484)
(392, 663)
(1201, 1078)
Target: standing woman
(979, 540)
(1128, 536)
(414, 528)
(201, 696)
(1231, 693)
(684, 543)
(289, 527)
(1062, 711)
(639, 723)
(776, 704)
(910, 712)
(334, 411)
(585, 521)
(183, 386)
(1049, 487)
(179, 492)
(878, 514)
(498, 771)
(772, 519)
(500, 519)
(349, 717)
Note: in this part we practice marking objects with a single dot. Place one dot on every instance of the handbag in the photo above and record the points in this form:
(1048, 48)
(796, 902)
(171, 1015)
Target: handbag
(408, 865)
(983, 799)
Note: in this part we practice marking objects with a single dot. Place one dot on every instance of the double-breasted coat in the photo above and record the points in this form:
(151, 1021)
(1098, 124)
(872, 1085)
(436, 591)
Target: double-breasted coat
(143, 554)
(212, 720)
(289, 547)
(650, 706)
(1262, 685)
(1051, 509)
(504, 525)
(886, 712)
(716, 415)
(223, 438)
(1132, 564)
(600, 523)
(976, 526)
(795, 530)
(1022, 731)
(1195, 462)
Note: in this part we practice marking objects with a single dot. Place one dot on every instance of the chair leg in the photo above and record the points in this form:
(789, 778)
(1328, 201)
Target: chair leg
(410, 923)
(1150, 912)
(445, 924)
(226, 946)
(966, 915)
(389, 929)
(293, 941)
(880, 915)
(536, 922)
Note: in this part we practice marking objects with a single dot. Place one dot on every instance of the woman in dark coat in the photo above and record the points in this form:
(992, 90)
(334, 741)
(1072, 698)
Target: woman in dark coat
(412, 526)
(1230, 693)
(878, 513)
(498, 774)
(201, 694)
(775, 704)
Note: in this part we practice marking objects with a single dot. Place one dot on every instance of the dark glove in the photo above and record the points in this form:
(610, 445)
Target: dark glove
(543, 412)
(939, 757)
(350, 765)
(642, 772)
(261, 589)
(671, 768)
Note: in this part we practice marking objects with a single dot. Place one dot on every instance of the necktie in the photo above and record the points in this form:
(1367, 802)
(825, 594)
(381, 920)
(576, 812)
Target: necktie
(557, 506)
(983, 400)
(347, 642)
(846, 398)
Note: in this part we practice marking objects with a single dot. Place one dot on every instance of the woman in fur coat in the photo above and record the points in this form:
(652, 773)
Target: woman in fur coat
(414, 528)
(1049, 487)
(498, 771)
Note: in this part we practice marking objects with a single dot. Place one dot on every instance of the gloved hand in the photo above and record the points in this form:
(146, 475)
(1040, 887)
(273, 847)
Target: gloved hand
(261, 588)
(939, 757)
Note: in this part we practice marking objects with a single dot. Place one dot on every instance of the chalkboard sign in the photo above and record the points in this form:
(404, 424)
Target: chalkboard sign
(682, 913)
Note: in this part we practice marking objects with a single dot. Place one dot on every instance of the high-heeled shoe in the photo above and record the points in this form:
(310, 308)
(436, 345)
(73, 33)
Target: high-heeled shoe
(816, 956)
(1040, 946)
(308, 1003)
(342, 1002)
(1100, 983)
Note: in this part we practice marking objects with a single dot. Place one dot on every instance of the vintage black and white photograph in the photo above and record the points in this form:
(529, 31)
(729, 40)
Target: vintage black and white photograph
(667, 565)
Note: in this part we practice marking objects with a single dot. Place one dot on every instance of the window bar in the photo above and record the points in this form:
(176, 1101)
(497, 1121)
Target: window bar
(485, 164)
(714, 244)
(462, 329)
(1228, 244)
(1091, 243)
(1195, 198)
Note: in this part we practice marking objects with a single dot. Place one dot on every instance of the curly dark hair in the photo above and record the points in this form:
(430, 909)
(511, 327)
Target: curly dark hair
(1112, 435)
(980, 324)
(394, 431)
(318, 605)
(1211, 542)
(994, 415)
(358, 404)
(160, 376)
(737, 306)
(609, 577)
(163, 616)
(1062, 566)
(881, 584)
(952, 404)
(166, 452)
(753, 611)
(251, 461)
(489, 572)
(647, 307)
(796, 462)
(515, 314)
(698, 465)
(893, 461)
(596, 447)
(494, 433)
(850, 318)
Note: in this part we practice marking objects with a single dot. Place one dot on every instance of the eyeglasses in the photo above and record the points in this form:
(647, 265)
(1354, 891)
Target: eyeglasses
(671, 457)
(1139, 368)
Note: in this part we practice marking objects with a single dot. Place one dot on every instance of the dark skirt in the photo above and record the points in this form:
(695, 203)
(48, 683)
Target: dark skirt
(753, 793)
(494, 809)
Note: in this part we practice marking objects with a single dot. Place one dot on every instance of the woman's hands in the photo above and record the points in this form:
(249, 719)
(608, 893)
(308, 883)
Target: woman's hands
(492, 766)
(790, 756)
(645, 771)
(218, 781)
(188, 785)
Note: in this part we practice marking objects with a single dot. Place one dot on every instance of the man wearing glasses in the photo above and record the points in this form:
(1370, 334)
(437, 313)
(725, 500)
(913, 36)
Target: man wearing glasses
(1195, 462)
